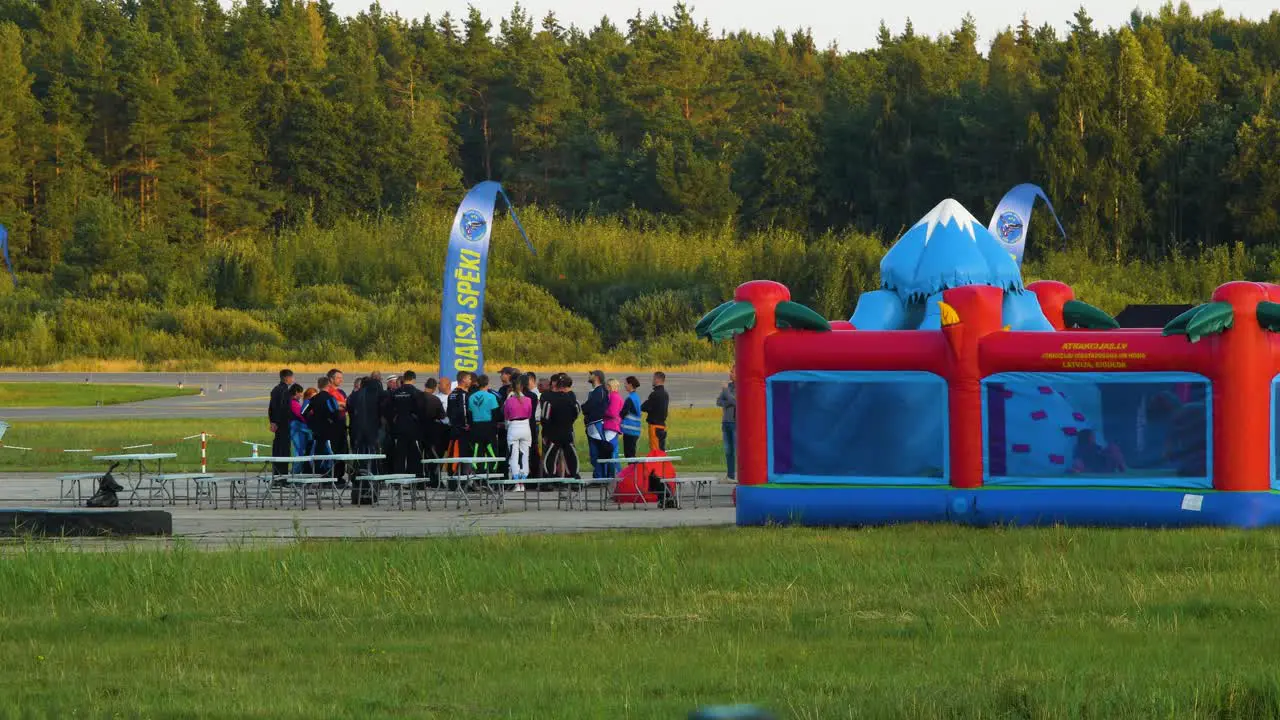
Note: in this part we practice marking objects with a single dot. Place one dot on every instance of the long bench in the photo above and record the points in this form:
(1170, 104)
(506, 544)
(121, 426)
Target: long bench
(398, 482)
(164, 482)
(64, 492)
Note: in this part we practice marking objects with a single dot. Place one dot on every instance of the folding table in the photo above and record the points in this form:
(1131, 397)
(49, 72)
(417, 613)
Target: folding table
(135, 473)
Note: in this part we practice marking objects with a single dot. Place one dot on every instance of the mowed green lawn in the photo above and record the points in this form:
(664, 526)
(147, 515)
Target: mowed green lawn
(919, 622)
(35, 394)
(697, 427)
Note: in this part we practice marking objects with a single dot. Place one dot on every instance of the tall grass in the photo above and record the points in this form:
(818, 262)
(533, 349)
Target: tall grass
(597, 290)
(901, 622)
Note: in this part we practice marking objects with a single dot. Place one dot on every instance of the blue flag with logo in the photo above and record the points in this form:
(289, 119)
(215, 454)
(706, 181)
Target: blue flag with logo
(465, 276)
(1012, 218)
(4, 250)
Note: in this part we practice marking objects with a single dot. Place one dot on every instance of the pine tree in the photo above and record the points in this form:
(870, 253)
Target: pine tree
(1255, 174)
(477, 57)
(19, 151)
(532, 98)
(151, 175)
(228, 165)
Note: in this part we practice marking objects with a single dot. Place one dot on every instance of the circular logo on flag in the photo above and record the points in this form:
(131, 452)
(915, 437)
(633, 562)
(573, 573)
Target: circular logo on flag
(1009, 227)
(472, 225)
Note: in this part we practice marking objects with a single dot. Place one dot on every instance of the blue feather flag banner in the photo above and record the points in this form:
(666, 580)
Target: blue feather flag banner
(465, 277)
(4, 250)
(1012, 219)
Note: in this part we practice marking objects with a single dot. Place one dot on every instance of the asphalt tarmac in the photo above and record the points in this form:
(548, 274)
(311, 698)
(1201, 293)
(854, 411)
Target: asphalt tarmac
(223, 527)
(233, 395)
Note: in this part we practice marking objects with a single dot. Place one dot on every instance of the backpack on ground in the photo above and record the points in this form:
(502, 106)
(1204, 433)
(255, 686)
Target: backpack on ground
(363, 492)
(106, 496)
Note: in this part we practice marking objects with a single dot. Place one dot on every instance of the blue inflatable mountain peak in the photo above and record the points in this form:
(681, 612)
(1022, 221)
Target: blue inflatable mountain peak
(947, 248)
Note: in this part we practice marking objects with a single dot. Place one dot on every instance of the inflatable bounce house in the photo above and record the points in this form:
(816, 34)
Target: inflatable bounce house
(957, 394)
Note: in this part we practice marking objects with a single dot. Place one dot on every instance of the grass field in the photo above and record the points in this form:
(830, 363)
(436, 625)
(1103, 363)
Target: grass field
(697, 427)
(33, 394)
(920, 622)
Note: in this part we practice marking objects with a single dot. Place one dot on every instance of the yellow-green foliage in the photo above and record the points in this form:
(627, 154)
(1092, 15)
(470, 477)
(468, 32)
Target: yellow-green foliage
(597, 288)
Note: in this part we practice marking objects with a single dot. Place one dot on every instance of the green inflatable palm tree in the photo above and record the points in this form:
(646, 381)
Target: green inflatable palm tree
(738, 316)
(1216, 317)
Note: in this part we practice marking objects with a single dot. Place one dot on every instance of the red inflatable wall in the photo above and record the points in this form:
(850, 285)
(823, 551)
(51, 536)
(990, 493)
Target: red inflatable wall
(1240, 363)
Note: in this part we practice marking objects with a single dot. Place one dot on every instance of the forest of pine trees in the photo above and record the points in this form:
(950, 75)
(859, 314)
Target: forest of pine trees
(184, 180)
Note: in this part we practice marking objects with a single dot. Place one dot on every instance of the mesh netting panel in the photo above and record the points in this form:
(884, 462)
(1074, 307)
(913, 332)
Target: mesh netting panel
(858, 427)
(1275, 433)
(1100, 429)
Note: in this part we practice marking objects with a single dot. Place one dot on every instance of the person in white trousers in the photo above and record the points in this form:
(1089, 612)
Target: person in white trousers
(517, 410)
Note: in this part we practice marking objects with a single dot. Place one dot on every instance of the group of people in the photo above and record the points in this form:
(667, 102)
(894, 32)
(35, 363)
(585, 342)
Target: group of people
(525, 419)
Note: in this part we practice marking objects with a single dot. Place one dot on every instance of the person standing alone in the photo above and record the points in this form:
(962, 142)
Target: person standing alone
(728, 402)
(656, 408)
(279, 415)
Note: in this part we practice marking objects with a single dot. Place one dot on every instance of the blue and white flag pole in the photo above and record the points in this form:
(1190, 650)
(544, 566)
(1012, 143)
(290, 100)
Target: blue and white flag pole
(465, 277)
(1012, 219)
(4, 250)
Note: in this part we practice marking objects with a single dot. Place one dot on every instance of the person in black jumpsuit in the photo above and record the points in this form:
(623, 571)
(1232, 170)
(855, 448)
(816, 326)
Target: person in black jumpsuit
(279, 415)
(408, 409)
(460, 418)
(434, 432)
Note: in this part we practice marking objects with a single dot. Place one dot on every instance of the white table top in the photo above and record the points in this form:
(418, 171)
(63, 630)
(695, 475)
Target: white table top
(135, 457)
(271, 459)
(469, 460)
(642, 460)
(346, 457)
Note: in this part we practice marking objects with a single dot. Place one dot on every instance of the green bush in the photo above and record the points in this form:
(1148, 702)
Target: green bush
(371, 288)
(669, 350)
(664, 312)
(225, 333)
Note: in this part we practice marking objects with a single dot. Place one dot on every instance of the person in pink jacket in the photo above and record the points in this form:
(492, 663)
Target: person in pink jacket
(518, 411)
(613, 417)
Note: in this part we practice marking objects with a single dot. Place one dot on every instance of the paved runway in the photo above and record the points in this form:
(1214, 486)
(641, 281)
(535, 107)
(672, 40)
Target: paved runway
(223, 527)
(231, 395)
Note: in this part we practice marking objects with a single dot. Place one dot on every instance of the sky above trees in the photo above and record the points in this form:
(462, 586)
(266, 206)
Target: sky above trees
(852, 25)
